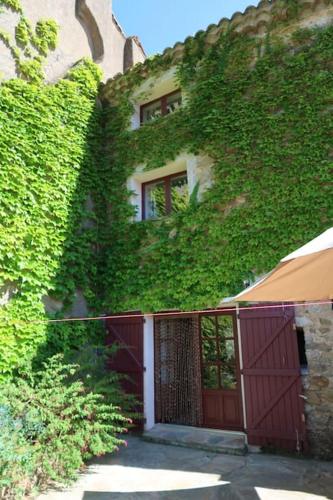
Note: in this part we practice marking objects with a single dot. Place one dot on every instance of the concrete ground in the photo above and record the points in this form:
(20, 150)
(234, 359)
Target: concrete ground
(154, 471)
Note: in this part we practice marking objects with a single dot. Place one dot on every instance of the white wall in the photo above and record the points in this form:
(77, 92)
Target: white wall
(148, 377)
(75, 36)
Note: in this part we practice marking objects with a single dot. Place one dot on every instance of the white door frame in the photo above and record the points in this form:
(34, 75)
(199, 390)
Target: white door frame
(149, 373)
(241, 366)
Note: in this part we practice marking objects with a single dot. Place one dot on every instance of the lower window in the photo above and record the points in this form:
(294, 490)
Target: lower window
(165, 196)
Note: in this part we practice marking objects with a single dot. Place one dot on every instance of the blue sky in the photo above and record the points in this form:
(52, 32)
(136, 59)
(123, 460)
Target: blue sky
(162, 23)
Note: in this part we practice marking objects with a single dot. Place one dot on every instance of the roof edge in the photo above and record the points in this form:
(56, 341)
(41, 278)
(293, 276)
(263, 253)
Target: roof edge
(254, 21)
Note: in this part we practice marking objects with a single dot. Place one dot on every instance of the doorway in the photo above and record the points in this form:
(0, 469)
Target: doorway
(197, 373)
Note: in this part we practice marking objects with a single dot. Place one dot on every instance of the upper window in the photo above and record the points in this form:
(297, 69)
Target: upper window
(161, 107)
(165, 196)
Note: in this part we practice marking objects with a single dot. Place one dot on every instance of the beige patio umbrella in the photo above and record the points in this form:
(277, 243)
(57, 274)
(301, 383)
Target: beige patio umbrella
(304, 275)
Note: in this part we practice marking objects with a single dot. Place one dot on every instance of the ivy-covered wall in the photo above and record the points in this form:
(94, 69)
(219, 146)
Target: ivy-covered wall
(50, 195)
(49, 142)
(65, 217)
(267, 125)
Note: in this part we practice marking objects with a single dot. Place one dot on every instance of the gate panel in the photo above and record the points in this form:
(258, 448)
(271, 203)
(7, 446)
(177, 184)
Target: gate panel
(272, 378)
(221, 387)
(127, 333)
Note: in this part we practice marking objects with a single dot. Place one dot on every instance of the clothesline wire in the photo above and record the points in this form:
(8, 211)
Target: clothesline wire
(168, 313)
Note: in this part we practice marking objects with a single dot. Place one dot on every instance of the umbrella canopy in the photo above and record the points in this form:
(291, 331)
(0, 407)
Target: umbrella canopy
(304, 275)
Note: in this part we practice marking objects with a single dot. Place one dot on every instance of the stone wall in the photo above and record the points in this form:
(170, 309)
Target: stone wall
(87, 29)
(317, 323)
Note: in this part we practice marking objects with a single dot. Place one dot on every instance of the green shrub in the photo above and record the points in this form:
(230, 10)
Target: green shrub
(51, 422)
(92, 361)
(16, 456)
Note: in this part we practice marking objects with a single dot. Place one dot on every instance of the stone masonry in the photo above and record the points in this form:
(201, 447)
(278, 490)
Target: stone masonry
(317, 323)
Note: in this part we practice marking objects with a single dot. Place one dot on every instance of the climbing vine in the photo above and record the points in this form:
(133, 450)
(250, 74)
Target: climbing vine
(49, 141)
(15, 5)
(266, 124)
(49, 137)
(31, 45)
(65, 219)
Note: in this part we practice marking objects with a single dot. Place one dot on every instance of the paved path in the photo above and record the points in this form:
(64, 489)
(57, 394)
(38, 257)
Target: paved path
(153, 471)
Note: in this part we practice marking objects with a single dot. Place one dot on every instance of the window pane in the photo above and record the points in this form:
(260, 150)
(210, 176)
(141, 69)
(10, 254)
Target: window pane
(228, 378)
(209, 351)
(151, 111)
(227, 352)
(225, 327)
(174, 101)
(179, 193)
(155, 200)
(210, 377)
(208, 326)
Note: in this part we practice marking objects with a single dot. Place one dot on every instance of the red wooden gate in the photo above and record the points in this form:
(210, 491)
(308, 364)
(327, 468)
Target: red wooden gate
(272, 378)
(127, 333)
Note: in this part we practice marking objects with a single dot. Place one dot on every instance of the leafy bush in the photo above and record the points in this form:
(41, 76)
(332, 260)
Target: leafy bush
(16, 455)
(92, 361)
(50, 423)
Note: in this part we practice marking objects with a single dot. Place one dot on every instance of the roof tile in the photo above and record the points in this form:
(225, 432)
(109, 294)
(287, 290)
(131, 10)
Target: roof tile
(255, 21)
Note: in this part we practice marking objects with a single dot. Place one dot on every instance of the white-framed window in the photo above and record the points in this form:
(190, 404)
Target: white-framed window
(164, 196)
(162, 106)
(156, 97)
(162, 191)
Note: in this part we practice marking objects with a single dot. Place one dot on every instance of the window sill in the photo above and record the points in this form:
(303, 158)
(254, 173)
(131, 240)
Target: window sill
(165, 218)
(159, 119)
(159, 219)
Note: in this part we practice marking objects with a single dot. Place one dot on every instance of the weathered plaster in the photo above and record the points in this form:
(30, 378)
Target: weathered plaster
(51, 304)
(87, 29)
(133, 52)
(7, 291)
(79, 307)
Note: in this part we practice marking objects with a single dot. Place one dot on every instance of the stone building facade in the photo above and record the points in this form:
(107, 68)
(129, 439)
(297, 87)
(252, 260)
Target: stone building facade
(87, 28)
(314, 323)
(317, 324)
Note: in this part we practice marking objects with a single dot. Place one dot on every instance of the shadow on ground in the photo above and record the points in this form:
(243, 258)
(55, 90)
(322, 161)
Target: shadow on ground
(212, 492)
(152, 471)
